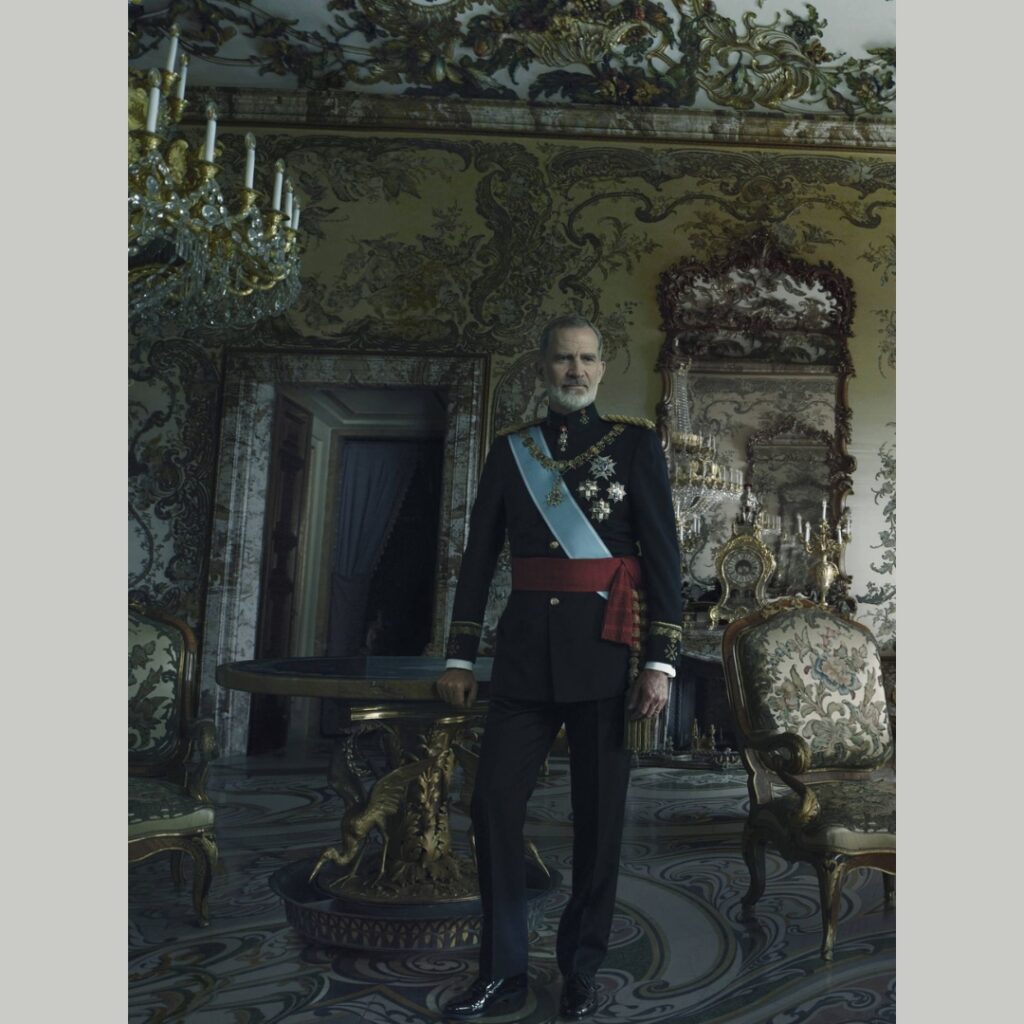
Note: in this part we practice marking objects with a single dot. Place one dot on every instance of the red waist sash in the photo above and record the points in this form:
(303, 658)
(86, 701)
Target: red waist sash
(619, 576)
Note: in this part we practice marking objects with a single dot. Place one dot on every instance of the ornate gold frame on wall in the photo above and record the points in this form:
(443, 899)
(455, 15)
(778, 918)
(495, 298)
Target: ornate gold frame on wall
(737, 338)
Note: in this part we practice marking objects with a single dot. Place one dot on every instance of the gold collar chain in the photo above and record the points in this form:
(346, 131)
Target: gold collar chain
(560, 466)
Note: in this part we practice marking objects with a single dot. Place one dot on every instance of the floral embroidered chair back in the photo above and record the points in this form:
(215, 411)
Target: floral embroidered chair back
(805, 690)
(808, 672)
(161, 663)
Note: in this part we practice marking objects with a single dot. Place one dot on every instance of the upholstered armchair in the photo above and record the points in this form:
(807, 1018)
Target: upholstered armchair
(168, 751)
(805, 690)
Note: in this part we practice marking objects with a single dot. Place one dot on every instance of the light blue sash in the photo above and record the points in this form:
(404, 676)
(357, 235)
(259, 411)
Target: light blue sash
(566, 520)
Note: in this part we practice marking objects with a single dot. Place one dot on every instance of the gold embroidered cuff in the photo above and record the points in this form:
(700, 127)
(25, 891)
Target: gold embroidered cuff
(664, 638)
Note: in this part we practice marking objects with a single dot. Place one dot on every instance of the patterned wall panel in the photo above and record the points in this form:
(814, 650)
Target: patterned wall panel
(173, 403)
(462, 245)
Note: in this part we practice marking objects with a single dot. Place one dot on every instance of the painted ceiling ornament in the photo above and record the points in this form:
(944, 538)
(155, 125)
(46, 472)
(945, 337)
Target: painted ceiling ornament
(640, 53)
(602, 467)
(569, 39)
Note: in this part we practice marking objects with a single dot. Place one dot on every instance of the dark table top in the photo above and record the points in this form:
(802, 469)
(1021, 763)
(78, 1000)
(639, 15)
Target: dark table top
(360, 678)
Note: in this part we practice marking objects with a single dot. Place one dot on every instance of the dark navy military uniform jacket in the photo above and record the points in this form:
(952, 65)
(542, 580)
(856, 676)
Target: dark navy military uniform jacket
(548, 644)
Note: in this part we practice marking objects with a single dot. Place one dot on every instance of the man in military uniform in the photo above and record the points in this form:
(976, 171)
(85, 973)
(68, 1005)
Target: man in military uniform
(585, 502)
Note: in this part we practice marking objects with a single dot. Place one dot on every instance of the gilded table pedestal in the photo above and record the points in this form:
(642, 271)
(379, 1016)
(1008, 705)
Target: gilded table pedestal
(393, 880)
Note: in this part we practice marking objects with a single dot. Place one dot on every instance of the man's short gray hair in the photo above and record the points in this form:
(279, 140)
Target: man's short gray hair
(569, 320)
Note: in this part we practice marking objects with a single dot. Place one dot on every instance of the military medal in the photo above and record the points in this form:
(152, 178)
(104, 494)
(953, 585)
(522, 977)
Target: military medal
(588, 490)
(616, 492)
(600, 465)
(584, 418)
(600, 510)
(563, 438)
(555, 494)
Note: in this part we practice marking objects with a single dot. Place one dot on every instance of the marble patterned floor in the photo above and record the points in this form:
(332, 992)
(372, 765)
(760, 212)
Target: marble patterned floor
(679, 952)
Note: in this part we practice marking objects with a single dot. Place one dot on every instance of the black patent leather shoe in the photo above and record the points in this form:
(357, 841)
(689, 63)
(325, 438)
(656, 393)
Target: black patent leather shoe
(579, 997)
(502, 995)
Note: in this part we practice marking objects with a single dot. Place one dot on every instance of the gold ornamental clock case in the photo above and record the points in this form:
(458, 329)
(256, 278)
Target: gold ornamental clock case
(744, 564)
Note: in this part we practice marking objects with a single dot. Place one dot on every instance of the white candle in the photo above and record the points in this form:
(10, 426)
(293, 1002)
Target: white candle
(799, 523)
(250, 159)
(296, 210)
(182, 75)
(154, 101)
(839, 534)
(172, 54)
(278, 182)
(807, 532)
(824, 507)
(288, 199)
(211, 132)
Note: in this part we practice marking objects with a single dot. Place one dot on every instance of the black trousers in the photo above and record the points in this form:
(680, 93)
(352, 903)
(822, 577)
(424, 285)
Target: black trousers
(517, 737)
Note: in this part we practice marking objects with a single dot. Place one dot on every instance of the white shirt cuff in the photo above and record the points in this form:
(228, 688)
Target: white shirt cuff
(660, 666)
(458, 663)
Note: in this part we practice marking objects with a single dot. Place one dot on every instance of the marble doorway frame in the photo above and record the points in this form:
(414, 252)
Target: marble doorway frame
(251, 380)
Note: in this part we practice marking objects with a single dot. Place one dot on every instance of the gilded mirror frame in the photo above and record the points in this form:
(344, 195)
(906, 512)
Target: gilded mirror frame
(758, 311)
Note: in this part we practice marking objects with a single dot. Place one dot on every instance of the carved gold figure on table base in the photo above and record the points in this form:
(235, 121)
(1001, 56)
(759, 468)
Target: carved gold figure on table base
(408, 806)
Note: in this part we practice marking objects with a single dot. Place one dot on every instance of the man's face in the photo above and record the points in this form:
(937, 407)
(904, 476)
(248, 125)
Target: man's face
(572, 369)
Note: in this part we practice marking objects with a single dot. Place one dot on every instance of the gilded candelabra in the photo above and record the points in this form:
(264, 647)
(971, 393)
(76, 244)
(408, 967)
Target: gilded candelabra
(825, 550)
(193, 262)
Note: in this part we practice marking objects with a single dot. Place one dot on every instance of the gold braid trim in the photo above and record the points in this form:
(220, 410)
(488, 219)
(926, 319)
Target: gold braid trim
(465, 629)
(525, 425)
(674, 634)
(561, 466)
(640, 734)
(632, 421)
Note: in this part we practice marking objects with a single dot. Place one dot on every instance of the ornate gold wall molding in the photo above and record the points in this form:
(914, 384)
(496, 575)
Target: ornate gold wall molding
(338, 110)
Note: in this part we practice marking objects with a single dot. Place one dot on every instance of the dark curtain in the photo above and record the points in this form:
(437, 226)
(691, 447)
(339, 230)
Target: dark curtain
(374, 478)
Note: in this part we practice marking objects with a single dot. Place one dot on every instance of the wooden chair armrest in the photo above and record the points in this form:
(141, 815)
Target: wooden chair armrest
(798, 757)
(793, 747)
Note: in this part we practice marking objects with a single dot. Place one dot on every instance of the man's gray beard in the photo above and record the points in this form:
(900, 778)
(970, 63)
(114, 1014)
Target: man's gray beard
(570, 401)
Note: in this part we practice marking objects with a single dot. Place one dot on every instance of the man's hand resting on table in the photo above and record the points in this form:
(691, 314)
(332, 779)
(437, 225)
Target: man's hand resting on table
(457, 686)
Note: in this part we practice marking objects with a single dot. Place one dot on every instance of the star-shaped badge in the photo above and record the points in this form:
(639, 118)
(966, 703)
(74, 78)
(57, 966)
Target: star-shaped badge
(602, 467)
(616, 492)
(588, 490)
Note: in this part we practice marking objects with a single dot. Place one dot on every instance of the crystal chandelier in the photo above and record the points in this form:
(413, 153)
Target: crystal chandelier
(698, 482)
(193, 262)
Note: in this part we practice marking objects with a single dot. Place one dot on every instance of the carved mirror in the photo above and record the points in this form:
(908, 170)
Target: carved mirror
(758, 341)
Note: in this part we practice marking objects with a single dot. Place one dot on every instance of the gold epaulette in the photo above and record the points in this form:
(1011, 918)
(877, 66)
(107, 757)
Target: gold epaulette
(633, 421)
(518, 426)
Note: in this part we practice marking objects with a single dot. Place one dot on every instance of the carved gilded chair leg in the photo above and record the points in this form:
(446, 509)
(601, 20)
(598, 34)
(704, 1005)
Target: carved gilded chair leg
(204, 856)
(830, 882)
(754, 855)
(177, 872)
(889, 886)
